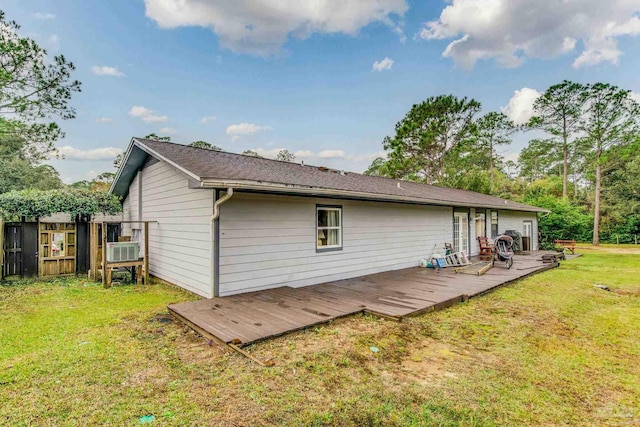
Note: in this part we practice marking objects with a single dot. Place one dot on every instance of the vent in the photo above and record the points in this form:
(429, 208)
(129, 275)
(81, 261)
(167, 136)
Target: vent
(122, 251)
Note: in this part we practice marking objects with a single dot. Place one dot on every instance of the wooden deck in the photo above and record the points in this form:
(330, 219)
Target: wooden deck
(247, 318)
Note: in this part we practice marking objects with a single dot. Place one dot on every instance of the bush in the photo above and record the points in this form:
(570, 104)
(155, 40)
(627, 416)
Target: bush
(566, 221)
(77, 203)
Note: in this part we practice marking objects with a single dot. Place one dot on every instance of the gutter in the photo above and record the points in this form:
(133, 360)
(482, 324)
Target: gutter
(215, 241)
(319, 192)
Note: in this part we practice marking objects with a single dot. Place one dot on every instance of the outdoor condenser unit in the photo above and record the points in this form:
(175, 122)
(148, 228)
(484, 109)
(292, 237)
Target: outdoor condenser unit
(122, 251)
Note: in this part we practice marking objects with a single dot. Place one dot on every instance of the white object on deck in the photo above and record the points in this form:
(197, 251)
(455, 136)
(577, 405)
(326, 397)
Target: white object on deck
(457, 259)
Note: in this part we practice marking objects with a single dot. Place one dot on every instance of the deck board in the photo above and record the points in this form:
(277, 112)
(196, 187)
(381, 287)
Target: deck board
(255, 316)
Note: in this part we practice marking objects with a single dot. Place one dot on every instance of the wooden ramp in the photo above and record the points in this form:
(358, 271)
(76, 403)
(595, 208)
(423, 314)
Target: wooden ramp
(250, 317)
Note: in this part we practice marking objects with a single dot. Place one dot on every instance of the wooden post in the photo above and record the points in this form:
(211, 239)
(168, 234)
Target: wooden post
(104, 255)
(1, 247)
(146, 253)
(93, 251)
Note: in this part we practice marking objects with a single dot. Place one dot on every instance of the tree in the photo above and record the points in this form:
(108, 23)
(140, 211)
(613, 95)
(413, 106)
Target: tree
(378, 167)
(118, 160)
(206, 145)
(285, 156)
(251, 153)
(33, 90)
(491, 130)
(155, 137)
(539, 158)
(557, 112)
(621, 200)
(19, 171)
(565, 221)
(425, 135)
(610, 118)
(101, 183)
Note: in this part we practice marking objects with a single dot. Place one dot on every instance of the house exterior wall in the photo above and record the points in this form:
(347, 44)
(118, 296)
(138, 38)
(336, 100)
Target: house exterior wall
(513, 220)
(126, 215)
(268, 241)
(180, 242)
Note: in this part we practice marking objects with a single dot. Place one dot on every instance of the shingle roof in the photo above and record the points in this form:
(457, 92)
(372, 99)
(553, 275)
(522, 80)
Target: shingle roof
(217, 165)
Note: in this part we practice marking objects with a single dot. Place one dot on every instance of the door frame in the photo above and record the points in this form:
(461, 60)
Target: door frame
(525, 223)
(460, 213)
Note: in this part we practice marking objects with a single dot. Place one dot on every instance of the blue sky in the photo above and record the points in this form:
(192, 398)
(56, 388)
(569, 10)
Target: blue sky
(302, 77)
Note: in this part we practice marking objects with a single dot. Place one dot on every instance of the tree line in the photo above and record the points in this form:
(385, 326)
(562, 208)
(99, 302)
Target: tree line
(584, 168)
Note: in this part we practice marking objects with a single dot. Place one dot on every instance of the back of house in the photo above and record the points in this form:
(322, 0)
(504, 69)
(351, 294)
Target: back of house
(229, 223)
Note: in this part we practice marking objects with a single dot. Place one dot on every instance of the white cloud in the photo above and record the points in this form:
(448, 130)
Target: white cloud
(510, 156)
(246, 129)
(167, 130)
(511, 31)
(44, 16)
(207, 119)
(147, 115)
(520, 106)
(103, 70)
(104, 120)
(53, 42)
(261, 27)
(106, 153)
(235, 138)
(385, 64)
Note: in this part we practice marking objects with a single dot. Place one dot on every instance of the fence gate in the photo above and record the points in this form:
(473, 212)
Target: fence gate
(57, 249)
(20, 250)
(12, 252)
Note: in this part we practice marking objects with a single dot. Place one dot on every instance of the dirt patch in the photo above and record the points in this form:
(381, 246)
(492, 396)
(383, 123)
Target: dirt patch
(632, 292)
(432, 361)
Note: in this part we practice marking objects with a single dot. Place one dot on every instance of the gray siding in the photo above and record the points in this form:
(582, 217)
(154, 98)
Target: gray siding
(511, 220)
(126, 216)
(180, 243)
(270, 241)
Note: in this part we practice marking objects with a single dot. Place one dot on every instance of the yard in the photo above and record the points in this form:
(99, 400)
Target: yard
(548, 350)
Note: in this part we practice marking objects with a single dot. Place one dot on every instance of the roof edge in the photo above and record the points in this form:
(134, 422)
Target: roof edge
(136, 143)
(293, 189)
(158, 156)
(125, 158)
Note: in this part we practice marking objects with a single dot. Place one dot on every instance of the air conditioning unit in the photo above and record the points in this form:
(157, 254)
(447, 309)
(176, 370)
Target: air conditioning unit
(122, 251)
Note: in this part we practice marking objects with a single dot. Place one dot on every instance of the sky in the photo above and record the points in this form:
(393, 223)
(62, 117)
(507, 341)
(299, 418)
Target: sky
(325, 79)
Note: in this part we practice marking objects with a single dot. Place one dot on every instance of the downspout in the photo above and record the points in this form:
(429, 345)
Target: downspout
(215, 240)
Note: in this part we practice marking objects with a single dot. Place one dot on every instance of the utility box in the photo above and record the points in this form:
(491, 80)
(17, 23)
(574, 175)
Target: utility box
(122, 251)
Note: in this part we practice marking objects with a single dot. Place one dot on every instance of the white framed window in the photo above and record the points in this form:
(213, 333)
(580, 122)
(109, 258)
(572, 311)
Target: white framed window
(494, 224)
(481, 224)
(328, 228)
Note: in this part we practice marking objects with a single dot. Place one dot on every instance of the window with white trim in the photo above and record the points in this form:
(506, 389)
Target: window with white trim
(329, 227)
(481, 224)
(494, 224)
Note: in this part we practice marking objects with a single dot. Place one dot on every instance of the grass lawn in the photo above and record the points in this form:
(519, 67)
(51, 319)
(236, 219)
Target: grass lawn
(548, 350)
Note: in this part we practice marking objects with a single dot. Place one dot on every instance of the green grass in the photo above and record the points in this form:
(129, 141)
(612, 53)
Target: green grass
(549, 350)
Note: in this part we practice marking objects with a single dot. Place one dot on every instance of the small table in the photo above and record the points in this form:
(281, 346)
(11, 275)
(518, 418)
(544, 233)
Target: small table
(110, 266)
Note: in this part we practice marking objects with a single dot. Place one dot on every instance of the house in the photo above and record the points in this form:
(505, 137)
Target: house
(229, 223)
